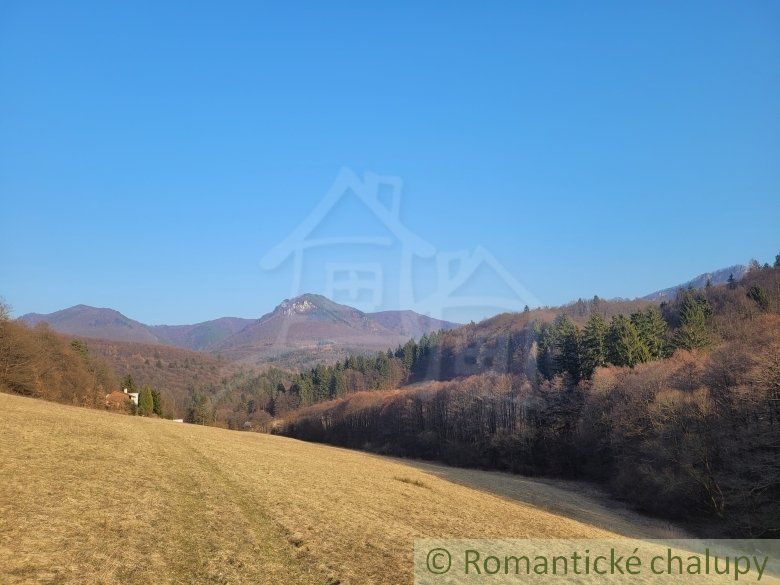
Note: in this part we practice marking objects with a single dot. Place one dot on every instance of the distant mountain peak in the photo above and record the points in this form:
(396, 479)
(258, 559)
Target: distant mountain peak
(87, 321)
(309, 324)
(313, 297)
(314, 304)
(296, 306)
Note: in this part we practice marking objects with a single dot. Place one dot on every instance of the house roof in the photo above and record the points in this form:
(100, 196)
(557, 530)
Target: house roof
(117, 397)
(367, 192)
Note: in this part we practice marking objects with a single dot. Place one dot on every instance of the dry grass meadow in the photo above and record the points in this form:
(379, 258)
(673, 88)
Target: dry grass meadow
(93, 497)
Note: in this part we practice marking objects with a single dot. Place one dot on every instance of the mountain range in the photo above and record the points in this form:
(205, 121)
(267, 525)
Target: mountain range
(302, 329)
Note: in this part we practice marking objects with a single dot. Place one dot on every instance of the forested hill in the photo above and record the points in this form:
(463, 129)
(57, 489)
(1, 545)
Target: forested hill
(525, 343)
(43, 364)
(494, 345)
(675, 408)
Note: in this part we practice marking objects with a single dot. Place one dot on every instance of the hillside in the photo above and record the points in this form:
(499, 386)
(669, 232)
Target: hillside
(715, 278)
(298, 332)
(43, 364)
(175, 372)
(310, 328)
(86, 321)
(673, 408)
(105, 323)
(200, 336)
(508, 343)
(410, 324)
(142, 500)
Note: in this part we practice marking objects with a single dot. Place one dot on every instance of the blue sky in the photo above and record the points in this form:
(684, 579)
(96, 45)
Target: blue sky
(151, 155)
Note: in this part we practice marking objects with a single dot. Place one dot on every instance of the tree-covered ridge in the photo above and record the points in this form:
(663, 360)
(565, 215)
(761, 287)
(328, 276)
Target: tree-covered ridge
(570, 341)
(42, 364)
(675, 408)
(627, 340)
(382, 371)
(561, 346)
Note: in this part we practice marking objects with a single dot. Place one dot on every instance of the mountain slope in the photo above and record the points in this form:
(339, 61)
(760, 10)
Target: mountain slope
(201, 335)
(206, 505)
(104, 323)
(41, 363)
(86, 321)
(310, 323)
(312, 328)
(717, 277)
(409, 323)
(174, 371)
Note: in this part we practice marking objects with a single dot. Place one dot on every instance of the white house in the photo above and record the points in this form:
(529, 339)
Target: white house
(133, 396)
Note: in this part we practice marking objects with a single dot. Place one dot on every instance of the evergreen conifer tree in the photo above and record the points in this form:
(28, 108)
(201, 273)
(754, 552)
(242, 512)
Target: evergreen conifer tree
(145, 402)
(652, 331)
(693, 332)
(624, 345)
(594, 345)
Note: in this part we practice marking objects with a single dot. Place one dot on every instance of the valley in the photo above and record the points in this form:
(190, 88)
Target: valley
(91, 496)
(649, 401)
(337, 293)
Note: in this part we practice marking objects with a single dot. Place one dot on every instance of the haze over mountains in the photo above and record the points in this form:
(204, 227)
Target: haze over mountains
(314, 324)
(717, 277)
(104, 323)
(309, 323)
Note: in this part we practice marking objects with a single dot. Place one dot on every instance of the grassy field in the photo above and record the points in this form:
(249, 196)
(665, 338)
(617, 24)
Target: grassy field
(94, 497)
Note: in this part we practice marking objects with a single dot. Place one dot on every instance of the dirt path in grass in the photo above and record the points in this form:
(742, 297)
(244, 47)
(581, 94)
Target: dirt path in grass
(92, 497)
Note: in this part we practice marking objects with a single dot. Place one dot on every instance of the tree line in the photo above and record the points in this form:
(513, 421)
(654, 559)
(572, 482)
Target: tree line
(627, 340)
(382, 371)
(40, 363)
(582, 337)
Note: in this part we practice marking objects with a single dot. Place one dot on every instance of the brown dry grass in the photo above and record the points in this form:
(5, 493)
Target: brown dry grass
(571, 499)
(94, 497)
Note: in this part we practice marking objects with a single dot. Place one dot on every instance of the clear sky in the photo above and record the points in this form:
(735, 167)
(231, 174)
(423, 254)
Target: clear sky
(152, 153)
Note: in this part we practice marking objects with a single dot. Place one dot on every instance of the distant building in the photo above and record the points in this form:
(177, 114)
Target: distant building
(133, 396)
(117, 399)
